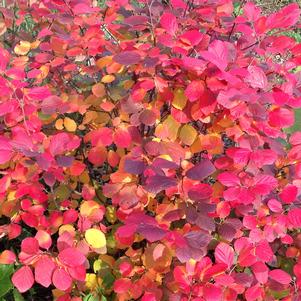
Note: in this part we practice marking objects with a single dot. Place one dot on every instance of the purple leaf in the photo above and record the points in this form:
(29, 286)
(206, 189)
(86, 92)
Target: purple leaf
(151, 233)
(201, 171)
(134, 166)
(127, 58)
(157, 183)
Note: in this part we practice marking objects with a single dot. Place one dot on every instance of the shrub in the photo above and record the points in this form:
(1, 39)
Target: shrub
(148, 151)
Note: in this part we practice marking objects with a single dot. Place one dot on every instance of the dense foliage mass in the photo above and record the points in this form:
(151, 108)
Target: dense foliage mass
(147, 151)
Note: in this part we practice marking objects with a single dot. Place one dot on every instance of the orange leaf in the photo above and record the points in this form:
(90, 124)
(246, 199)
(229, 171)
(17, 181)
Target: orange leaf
(99, 90)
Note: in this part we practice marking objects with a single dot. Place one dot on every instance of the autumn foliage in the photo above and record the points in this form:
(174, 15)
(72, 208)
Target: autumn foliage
(146, 151)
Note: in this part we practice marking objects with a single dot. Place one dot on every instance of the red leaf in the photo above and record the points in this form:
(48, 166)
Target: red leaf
(97, 155)
(23, 279)
(61, 279)
(169, 22)
(122, 285)
(224, 254)
(200, 192)
(195, 90)
(280, 276)
(71, 257)
(43, 271)
(127, 58)
(122, 138)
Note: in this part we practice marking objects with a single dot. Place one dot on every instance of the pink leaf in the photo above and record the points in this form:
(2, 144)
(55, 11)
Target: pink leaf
(78, 272)
(212, 292)
(224, 254)
(30, 245)
(71, 257)
(274, 205)
(264, 251)
(44, 239)
(256, 78)
(6, 150)
(263, 157)
(169, 22)
(239, 155)
(228, 179)
(253, 293)
(289, 194)
(61, 279)
(23, 279)
(294, 217)
(82, 8)
(286, 17)
(281, 118)
(217, 54)
(260, 271)
(280, 276)
(263, 184)
(43, 271)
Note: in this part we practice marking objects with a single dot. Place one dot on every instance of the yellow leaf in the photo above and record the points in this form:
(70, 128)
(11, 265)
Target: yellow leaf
(188, 134)
(108, 79)
(91, 281)
(22, 48)
(70, 124)
(95, 238)
(179, 100)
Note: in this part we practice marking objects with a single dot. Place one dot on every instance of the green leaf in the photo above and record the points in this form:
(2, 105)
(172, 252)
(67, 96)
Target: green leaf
(108, 280)
(91, 297)
(17, 296)
(279, 294)
(297, 126)
(5, 283)
(103, 298)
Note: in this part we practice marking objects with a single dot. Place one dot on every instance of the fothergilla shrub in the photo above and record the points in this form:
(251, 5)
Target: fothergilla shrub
(149, 150)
